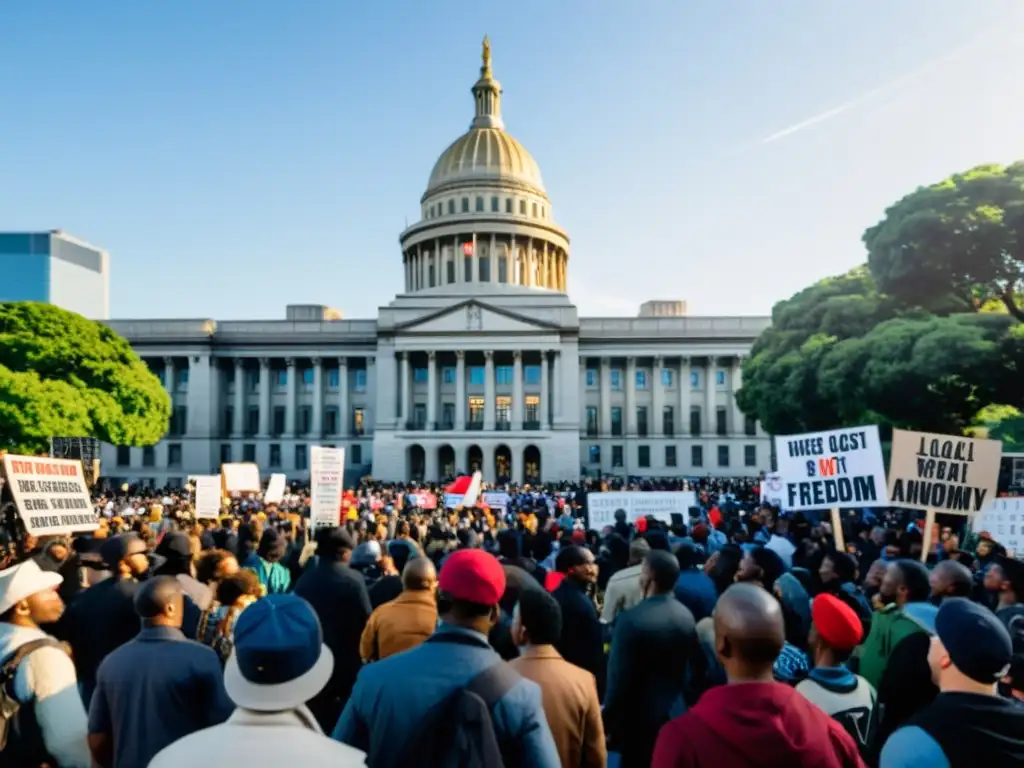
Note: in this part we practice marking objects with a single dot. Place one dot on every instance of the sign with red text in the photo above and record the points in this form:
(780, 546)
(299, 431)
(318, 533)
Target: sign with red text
(326, 474)
(826, 470)
(51, 494)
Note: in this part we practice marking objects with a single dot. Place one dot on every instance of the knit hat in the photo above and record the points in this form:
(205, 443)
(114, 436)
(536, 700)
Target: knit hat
(837, 623)
(473, 576)
(976, 641)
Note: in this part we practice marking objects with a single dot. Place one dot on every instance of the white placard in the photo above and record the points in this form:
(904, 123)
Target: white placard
(661, 505)
(275, 489)
(838, 468)
(1004, 520)
(326, 478)
(772, 487)
(51, 494)
(207, 490)
(241, 478)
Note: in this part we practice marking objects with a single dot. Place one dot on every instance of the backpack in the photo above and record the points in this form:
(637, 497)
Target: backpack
(20, 739)
(888, 627)
(460, 733)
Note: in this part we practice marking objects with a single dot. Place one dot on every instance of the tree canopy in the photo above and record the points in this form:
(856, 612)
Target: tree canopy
(64, 376)
(927, 335)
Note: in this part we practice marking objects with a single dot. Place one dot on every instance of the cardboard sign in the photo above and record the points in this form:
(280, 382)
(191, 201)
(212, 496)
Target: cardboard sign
(326, 475)
(601, 506)
(275, 489)
(241, 478)
(838, 468)
(207, 496)
(947, 473)
(51, 494)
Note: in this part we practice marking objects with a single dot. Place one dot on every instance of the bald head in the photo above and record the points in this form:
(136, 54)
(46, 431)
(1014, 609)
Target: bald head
(749, 631)
(951, 579)
(160, 602)
(419, 575)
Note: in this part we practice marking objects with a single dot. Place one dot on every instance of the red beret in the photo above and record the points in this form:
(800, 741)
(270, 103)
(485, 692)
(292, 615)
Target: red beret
(836, 622)
(472, 575)
(641, 525)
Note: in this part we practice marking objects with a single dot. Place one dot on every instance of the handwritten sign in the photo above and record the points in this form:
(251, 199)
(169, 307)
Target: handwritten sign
(326, 474)
(947, 473)
(207, 496)
(838, 468)
(1004, 520)
(50, 494)
(772, 487)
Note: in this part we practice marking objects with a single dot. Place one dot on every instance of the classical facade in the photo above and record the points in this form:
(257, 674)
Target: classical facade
(480, 362)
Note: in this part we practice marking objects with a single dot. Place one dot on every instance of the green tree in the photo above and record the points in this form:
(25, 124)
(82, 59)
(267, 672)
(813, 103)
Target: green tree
(64, 376)
(955, 246)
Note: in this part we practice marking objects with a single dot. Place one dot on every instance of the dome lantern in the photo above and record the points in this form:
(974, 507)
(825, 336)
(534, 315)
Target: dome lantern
(487, 94)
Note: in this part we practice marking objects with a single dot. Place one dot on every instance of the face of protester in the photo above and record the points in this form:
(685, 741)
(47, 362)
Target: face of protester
(42, 608)
(827, 571)
(875, 574)
(993, 578)
(228, 567)
(892, 589)
(748, 570)
(587, 570)
(984, 548)
(518, 632)
(136, 563)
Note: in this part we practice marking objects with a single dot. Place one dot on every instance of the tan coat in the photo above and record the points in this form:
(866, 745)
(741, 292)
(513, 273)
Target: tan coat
(622, 593)
(570, 704)
(399, 625)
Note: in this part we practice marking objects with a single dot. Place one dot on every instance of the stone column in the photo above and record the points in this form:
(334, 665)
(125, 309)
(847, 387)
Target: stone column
(489, 410)
(556, 395)
(734, 386)
(658, 397)
(606, 397)
(460, 390)
(293, 391)
(264, 397)
(237, 427)
(475, 261)
(583, 399)
(517, 391)
(432, 396)
(492, 260)
(370, 412)
(709, 397)
(344, 417)
(169, 374)
(318, 398)
(684, 396)
(403, 389)
(438, 279)
(630, 424)
(545, 398)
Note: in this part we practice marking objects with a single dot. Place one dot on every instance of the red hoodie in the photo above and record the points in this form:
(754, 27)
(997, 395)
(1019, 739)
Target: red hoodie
(765, 725)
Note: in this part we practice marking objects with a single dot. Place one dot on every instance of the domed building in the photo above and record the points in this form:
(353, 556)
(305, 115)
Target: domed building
(480, 362)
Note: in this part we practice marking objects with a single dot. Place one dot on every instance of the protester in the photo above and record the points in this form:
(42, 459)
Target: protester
(753, 721)
(570, 694)
(49, 726)
(235, 593)
(157, 688)
(279, 663)
(623, 590)
(395, 729)
(694, 588)
(582, 639)
(265, 562)
(406, 621)
(968, 723)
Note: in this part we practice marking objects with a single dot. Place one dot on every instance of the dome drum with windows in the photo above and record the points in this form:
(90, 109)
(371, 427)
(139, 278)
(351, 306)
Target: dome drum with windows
(485, 217)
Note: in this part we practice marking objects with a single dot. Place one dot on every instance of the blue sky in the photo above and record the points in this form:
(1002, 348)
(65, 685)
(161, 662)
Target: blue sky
(240, 155)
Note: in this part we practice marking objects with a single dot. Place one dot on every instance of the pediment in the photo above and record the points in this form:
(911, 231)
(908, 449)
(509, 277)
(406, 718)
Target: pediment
(476, 317)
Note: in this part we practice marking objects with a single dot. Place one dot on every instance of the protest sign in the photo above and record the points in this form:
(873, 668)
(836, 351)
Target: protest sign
(946, 473)
(772, 487)
(660, 505)
(50, 494)
(326, 473)
(207, 489)
(421, 499)
(838, 468)
(1003, 519)
(275, 489)
(241, 478)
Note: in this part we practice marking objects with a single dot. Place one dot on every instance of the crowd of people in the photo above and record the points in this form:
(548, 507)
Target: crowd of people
(518, 636)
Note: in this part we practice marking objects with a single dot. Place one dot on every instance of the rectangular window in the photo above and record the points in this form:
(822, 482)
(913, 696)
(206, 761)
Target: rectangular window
(448, 415)
(465, 205)
(124, 456)
(720, 378)
(641, 379)
(616, 378)
(360, 380)
(508, 205)
(476, 375)
(449, 271)
(358, 422)
(532, 409)
(451, 206)
(485, 269)
(749, 426)
(503, 375)
(723, 455)
(356, 454)
(697, 455)
(592, 423)
(668, 421)
(616, 421)
(275, 455)
(594, 454)
(670, 456)
(503, 411)
(467, 268)
(282, 378)
(252, 381)
(252, 420)
(249, 452)
(694, 379)
(333, 378)
(533, 208)
(695, 424)
(225, 453)
(174, 454)
(531, 374)
(305, 419)
(420, 375)
(419, 415)
(522, 207)
(277, 428)
(666, 377)
(448, 375)
(721, 419)
(300, 458)
(591, 377)
(307, 377)
(643, 456)
(228, 424)
(750, 455)
(479, 205)
(476, 410)
(641, 420)
(182, 377)
(616, 455)
(181, 416)
(495, 205)
(148, 456)
(502, 269)
(331, 420)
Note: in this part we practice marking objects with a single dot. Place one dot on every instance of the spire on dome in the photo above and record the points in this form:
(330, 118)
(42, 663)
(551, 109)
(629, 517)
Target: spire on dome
(487, 94)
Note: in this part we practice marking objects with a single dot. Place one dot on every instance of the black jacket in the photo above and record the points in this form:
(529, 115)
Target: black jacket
(973, 729)
(582, 640)
(339, 597)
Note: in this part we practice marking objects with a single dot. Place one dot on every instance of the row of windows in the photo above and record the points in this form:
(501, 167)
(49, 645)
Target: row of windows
(515, 269)
(303, 423)
(536, 210)
(476, 407)
(668, 376)
(643, 456)
(124, 457)
(503, 375)
(593, 425)
(280, 378)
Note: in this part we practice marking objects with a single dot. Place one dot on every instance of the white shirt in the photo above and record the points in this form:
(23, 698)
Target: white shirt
(290, 738)
(782, 547)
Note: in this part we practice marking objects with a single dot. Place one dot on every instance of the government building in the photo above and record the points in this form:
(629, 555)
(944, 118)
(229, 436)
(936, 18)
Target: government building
(481, 361)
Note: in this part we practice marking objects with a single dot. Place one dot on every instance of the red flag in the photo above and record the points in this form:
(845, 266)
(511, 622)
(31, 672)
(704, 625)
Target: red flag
(467, 249)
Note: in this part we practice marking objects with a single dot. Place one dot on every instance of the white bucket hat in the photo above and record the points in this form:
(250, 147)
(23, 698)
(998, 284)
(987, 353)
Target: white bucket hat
(24, 580)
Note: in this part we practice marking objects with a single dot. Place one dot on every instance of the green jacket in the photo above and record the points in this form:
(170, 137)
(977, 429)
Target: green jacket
(888, 627)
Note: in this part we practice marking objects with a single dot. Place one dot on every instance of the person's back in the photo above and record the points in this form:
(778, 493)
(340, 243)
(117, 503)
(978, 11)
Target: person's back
(406, 621)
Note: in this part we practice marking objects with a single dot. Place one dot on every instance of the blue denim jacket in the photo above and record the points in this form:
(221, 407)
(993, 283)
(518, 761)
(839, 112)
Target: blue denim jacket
(391, 696)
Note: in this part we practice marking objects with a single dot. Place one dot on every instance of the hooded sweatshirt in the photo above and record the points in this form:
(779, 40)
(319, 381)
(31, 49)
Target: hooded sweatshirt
(845, 697)
(46, 677)
(754, 724)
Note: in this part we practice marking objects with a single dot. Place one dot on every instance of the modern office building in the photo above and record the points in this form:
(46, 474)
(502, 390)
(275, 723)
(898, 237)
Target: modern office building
(481, 361)
(56, 268)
